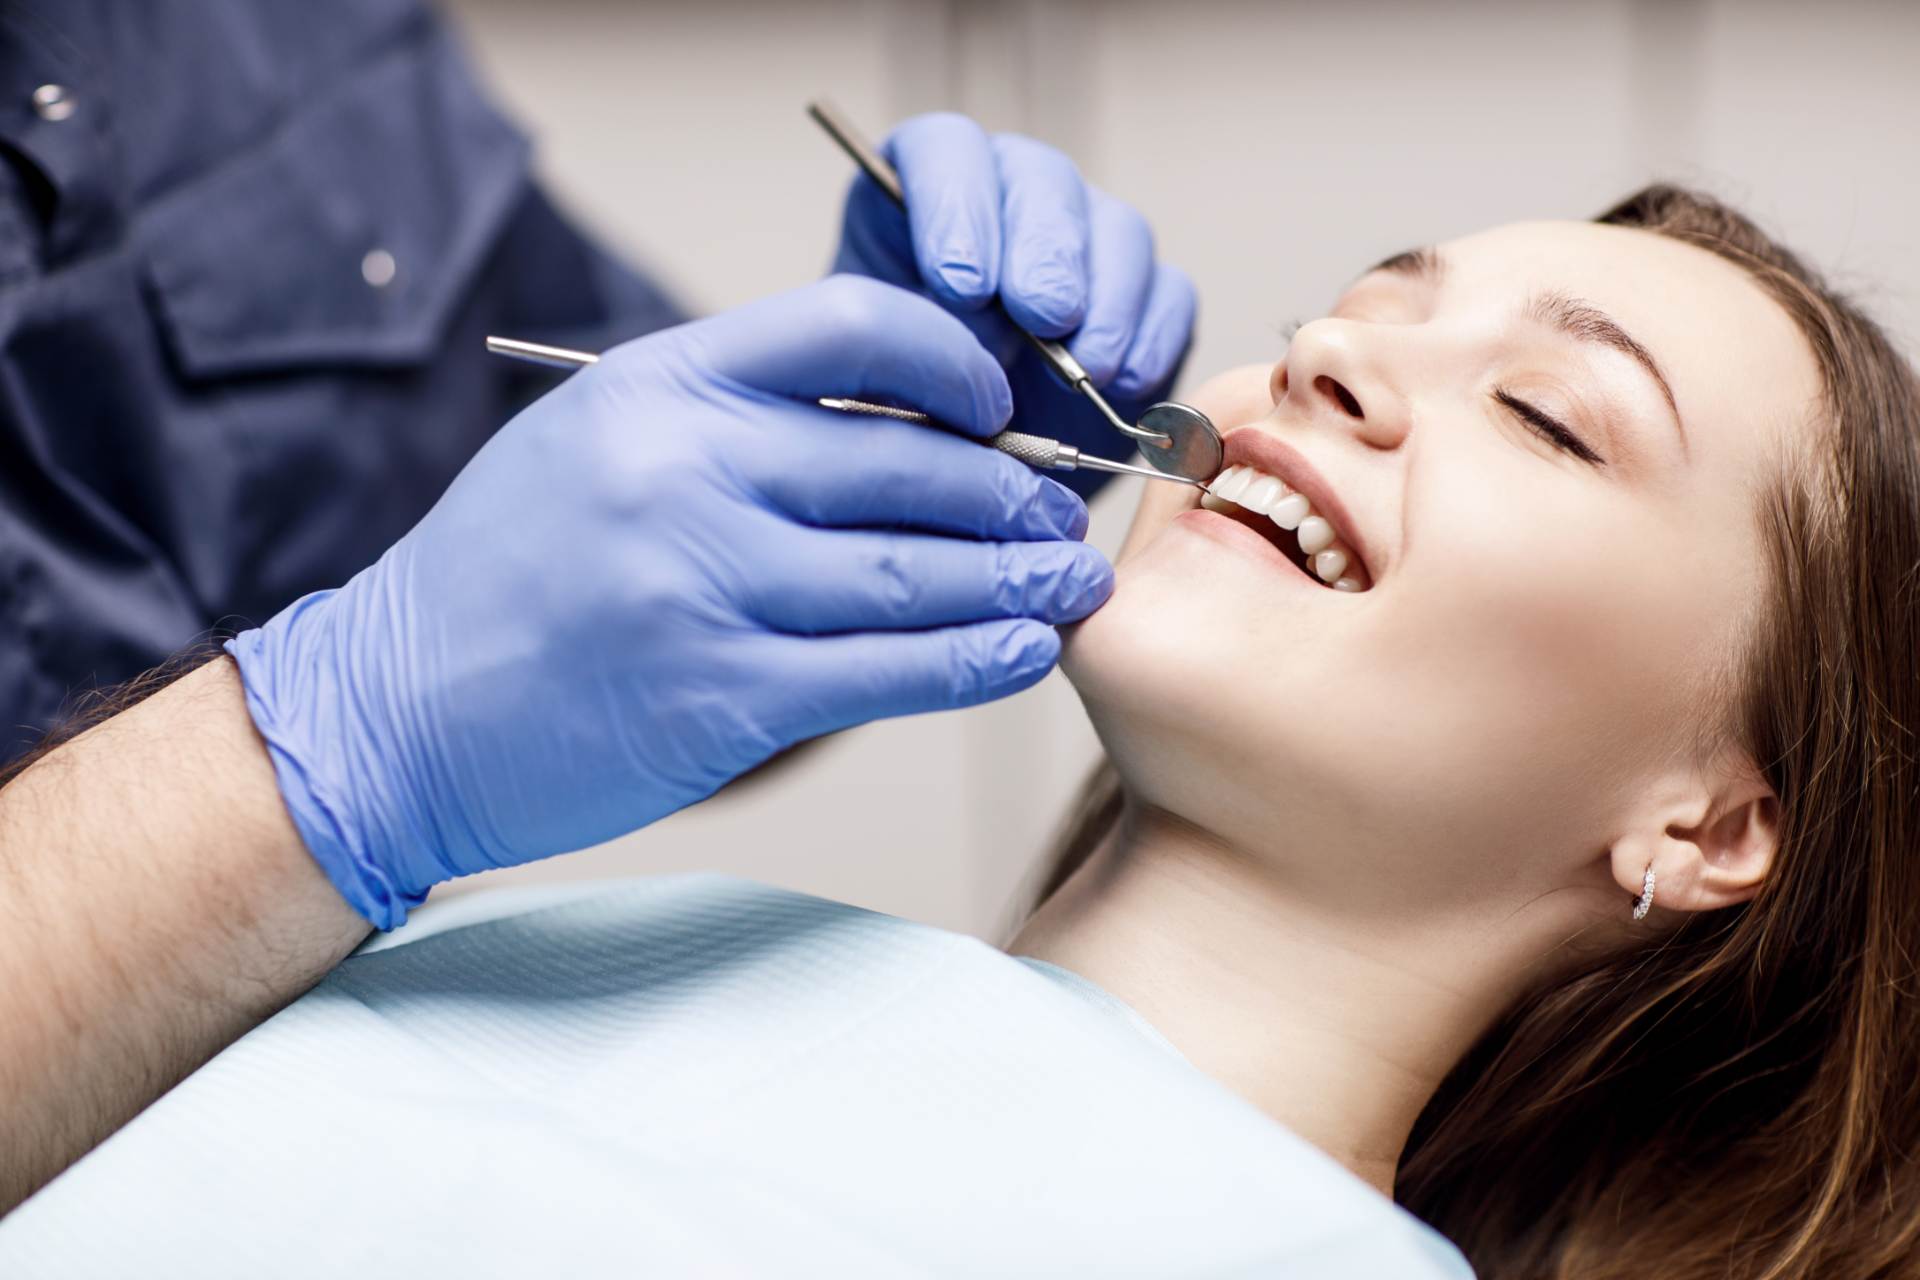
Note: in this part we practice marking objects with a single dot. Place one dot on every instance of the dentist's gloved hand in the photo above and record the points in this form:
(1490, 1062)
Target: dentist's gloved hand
(659, 575)
(1005, 215)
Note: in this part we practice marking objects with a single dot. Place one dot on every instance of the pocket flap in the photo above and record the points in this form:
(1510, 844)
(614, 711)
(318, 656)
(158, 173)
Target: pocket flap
(347, 236)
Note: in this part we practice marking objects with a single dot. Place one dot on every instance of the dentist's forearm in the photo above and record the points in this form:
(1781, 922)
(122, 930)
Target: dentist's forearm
(155, 903)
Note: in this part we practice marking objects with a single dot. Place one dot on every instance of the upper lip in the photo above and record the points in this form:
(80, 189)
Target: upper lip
(1262, 450)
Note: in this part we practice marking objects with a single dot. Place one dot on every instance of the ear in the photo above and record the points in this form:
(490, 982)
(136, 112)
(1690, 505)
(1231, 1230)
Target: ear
(1711, 838)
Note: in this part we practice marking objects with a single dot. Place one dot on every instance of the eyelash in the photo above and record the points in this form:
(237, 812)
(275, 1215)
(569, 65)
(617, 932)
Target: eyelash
(1547, 427)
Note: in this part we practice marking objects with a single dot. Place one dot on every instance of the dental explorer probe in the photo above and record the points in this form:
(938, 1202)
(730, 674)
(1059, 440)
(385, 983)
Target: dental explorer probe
(1035, 451)
(1176, 438)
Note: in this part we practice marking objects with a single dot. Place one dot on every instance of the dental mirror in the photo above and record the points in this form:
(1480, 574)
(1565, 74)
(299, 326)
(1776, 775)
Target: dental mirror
(1192, 448)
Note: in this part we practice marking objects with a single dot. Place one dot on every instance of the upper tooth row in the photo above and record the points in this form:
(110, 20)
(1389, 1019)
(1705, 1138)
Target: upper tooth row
(1258, 491)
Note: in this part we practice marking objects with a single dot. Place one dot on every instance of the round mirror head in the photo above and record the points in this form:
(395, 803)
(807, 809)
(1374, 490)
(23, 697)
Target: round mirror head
(1193, 447)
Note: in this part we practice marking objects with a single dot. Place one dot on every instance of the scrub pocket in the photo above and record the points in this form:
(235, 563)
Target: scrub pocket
(320, 299)
(350, 234)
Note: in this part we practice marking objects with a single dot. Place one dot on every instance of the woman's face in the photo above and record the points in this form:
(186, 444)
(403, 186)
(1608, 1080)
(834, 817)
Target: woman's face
(1541, 619)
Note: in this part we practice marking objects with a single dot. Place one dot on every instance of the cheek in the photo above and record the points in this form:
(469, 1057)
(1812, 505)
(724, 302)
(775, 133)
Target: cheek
(1522, 683)
(1502, 690)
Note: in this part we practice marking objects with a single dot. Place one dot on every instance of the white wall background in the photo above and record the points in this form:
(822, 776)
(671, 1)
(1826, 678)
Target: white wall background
(1276, 148)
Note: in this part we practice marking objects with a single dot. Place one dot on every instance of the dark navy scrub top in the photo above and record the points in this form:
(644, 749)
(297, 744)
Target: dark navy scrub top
(249, 250)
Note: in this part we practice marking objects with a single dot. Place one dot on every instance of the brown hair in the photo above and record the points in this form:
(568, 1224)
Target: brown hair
(1742, 1098)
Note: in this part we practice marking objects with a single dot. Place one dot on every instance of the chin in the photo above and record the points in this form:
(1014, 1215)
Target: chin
(1204, 669)
(1145, 669)
(1139, 648)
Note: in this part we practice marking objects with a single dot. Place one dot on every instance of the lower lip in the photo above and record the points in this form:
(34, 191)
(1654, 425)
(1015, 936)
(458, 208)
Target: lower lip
(1231, 533)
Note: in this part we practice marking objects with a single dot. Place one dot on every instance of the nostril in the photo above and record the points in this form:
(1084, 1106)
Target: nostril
(1331, 389)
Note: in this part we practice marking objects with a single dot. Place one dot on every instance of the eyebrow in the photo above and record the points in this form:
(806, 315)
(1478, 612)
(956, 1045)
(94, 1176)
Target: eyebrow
(1423, 264)
(1585, 322)
(1574, 317)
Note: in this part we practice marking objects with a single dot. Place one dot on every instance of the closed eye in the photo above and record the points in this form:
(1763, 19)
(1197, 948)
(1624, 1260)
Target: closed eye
(1548, 427)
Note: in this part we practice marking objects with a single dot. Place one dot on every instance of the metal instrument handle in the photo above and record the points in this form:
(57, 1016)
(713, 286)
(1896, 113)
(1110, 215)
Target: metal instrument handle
(1035, 451)
(875, 166)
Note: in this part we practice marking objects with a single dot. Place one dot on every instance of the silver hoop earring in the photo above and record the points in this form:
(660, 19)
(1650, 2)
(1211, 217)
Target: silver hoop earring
(1646, 896)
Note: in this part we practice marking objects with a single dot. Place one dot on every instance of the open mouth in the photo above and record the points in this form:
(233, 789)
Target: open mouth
(1286, 519)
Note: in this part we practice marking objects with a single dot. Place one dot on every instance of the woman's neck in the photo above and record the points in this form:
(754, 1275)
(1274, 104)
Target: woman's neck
(1339, 1028)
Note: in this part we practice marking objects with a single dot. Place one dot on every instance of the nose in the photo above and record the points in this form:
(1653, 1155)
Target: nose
(1342, 370)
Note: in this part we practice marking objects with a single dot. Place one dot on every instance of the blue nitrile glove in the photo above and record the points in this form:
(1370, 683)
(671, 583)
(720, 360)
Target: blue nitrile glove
(1010, 216)
(659, 575)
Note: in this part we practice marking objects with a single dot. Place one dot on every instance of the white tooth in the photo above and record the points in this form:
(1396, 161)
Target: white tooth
(1346, 584)
(1289, 511)
(1316, 535)
(1262, 494)
(1235, 483)
(1212, 503)
(1213, 485)
(1330, 564)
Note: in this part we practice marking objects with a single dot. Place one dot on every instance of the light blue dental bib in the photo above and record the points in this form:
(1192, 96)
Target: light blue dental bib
(701, 1076)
